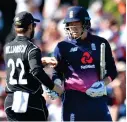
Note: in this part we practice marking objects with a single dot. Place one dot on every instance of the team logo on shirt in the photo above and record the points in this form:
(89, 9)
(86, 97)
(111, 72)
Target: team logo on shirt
(86, 58)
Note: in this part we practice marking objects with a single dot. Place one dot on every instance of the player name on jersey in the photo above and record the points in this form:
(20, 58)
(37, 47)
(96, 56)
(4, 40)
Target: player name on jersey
(15, 49)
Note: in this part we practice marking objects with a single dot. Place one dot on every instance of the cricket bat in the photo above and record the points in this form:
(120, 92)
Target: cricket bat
(102, 63)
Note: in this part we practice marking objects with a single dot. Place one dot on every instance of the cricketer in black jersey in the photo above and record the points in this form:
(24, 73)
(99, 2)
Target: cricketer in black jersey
(25, 74)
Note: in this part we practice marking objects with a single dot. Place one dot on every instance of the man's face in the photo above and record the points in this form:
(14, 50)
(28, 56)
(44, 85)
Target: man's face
(75, 29)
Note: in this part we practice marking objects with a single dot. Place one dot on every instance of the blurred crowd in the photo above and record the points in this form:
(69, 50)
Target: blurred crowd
(50, 31)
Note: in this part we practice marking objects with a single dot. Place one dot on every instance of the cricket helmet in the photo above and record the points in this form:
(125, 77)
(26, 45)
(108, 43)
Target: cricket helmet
(78, 13)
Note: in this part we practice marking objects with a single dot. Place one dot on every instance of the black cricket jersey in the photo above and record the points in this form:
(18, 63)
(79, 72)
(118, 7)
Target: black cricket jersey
(24, 67)
(79, 62)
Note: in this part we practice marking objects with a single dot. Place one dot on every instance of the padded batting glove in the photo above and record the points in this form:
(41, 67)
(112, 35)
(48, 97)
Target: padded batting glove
(98, 89)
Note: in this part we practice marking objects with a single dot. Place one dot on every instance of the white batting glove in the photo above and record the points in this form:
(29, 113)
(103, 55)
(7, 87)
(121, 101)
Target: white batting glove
(98, 89)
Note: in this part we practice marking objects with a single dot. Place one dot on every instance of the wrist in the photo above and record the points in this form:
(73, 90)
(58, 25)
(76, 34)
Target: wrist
(107, 80)
(54, 88)
(57, 89)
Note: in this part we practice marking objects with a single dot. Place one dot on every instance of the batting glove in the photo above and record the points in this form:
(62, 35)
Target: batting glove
(98, 89)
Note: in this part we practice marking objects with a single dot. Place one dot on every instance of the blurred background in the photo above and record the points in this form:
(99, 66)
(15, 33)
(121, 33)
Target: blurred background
(108, 19)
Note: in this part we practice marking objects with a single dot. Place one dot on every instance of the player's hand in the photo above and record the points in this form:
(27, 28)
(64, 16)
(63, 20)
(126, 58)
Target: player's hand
(98, 89)
(58, 87)
(50, 93)
(57, 90)
(49, 61)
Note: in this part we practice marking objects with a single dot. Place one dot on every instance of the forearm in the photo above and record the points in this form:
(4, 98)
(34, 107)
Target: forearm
(44, 78)
(57, 75)
(110, 64)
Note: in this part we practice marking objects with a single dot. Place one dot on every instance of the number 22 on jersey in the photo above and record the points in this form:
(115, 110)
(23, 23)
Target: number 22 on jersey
(13, 65)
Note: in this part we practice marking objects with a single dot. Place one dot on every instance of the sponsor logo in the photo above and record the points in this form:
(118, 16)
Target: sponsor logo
(87, 66)
(100, 85)
(86, 58)
(73, 49)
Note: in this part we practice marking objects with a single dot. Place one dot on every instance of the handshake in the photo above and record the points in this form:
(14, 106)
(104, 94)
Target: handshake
(57, 90)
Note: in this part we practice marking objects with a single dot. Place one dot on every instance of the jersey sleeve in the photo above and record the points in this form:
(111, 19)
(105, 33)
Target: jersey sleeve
(34, 58)
(110, 63)
(61, 68)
